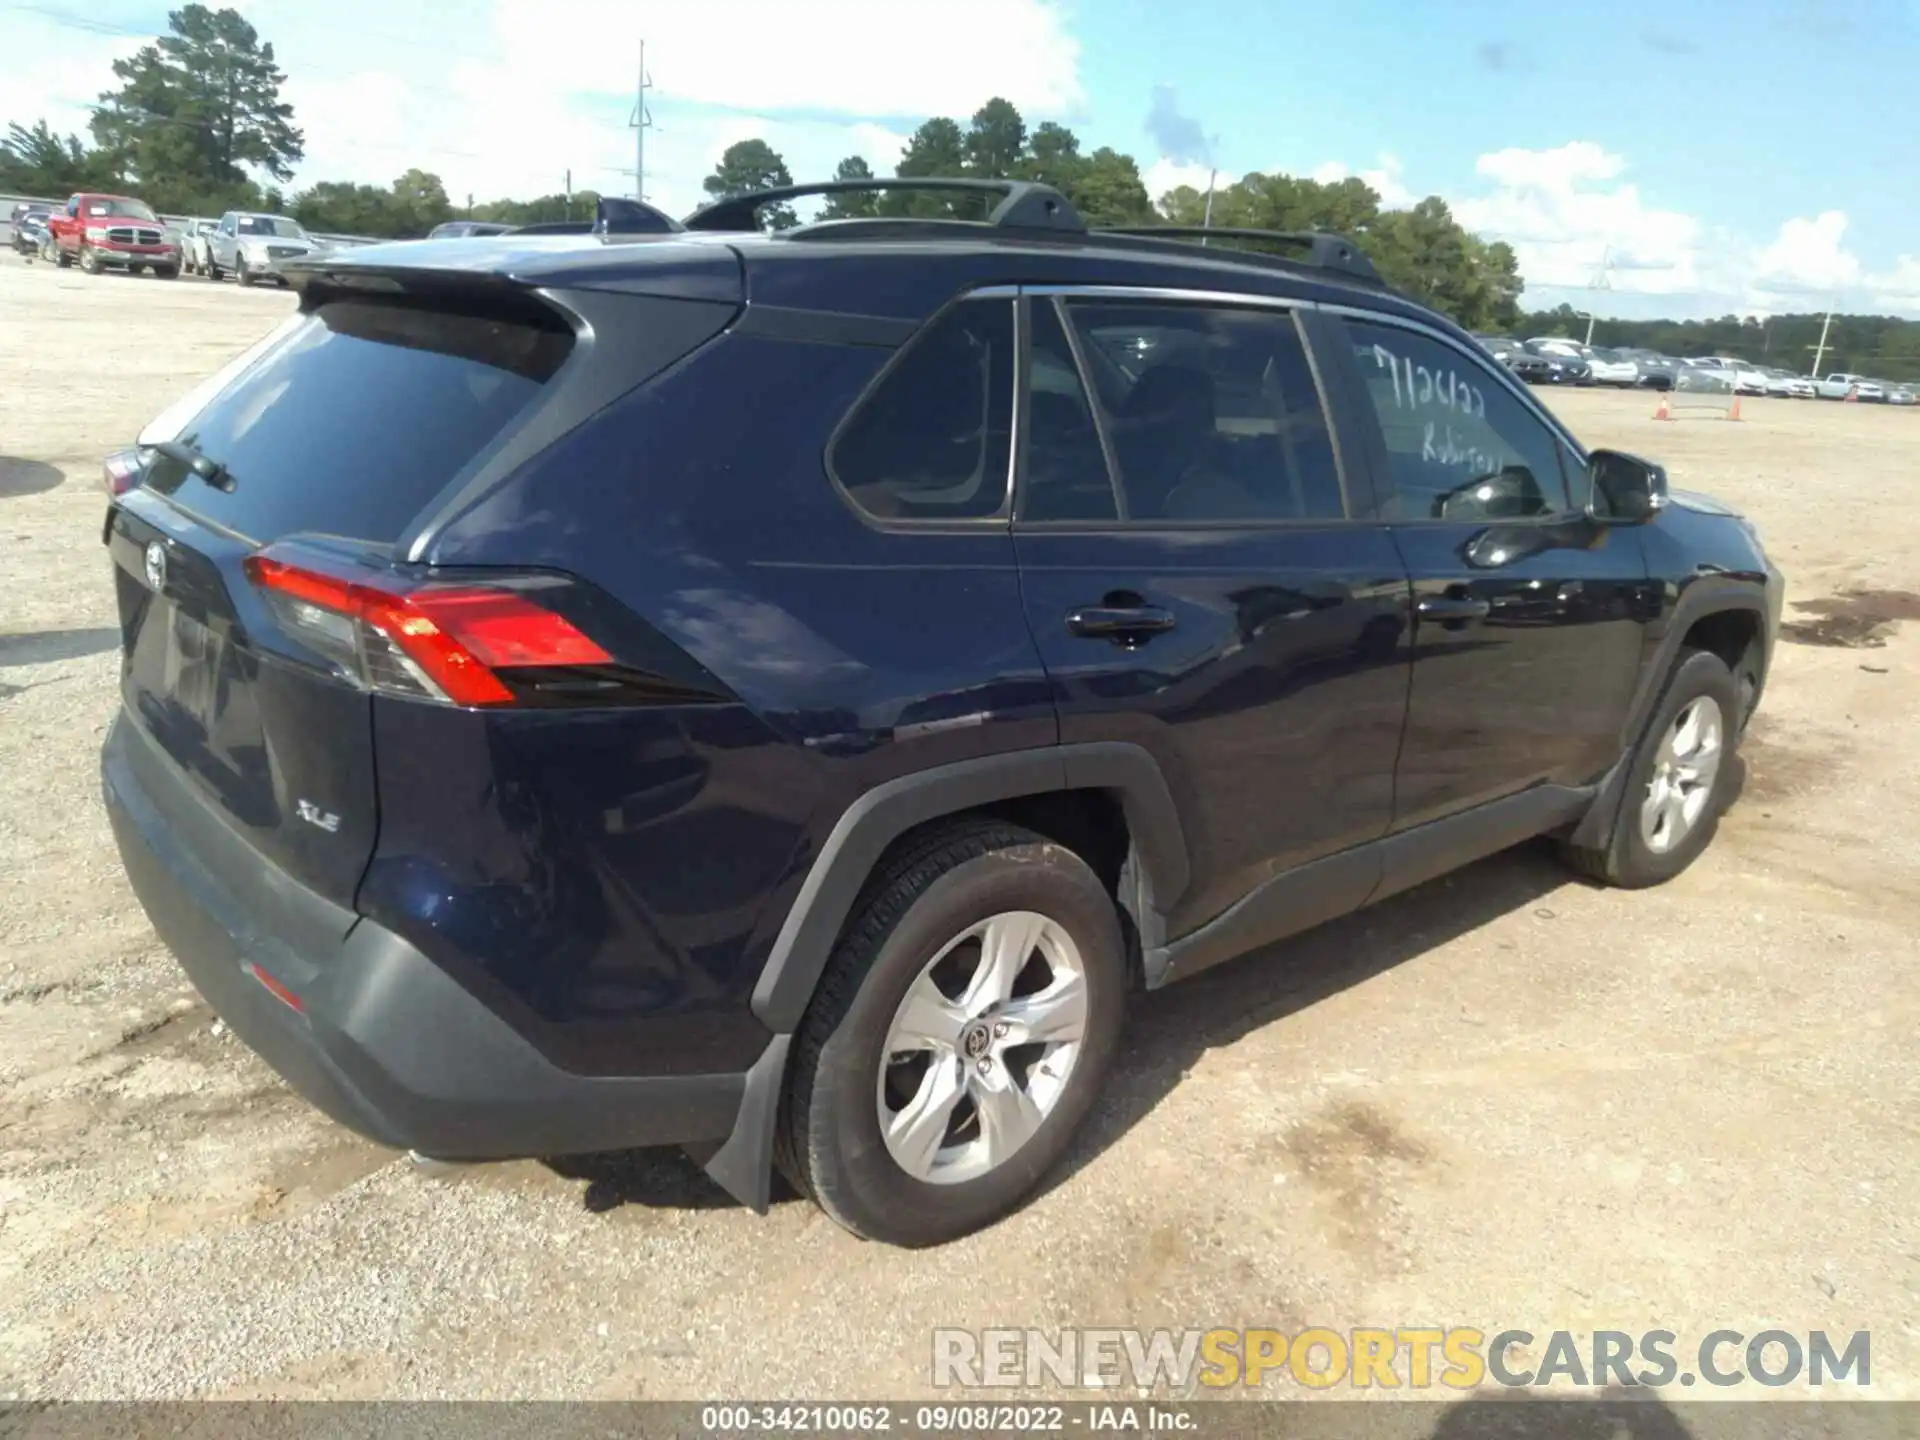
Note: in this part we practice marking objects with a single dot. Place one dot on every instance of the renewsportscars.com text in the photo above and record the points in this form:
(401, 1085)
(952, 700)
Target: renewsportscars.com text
(1403, 1357)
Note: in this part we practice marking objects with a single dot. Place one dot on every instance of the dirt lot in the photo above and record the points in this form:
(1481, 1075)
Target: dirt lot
(1505, 1099)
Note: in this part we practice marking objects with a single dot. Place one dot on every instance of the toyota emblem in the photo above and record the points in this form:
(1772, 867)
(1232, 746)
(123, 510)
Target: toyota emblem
(156, 565)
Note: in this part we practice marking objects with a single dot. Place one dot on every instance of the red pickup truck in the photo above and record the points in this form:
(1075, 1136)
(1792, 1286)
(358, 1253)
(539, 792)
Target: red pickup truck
(104, 230)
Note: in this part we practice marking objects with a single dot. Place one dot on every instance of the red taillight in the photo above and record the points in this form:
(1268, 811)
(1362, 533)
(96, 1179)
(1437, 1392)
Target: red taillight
(120, 472)
(435, 641)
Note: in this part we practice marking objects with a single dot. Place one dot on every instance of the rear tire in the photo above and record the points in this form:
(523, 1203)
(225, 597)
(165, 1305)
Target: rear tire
(926, 925)
(167, 272)
(1679, 781)
(213, 272)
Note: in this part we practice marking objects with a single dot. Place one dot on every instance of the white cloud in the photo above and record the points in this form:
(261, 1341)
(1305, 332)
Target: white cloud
(1387, 179)
(1807, 255)
(856, 57)
(1562, 212)
(510, 99)
(54, 73)
(1165, 175)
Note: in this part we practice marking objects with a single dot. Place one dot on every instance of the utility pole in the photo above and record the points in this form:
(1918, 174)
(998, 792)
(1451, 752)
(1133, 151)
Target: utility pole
(1206, 217)
(569, 193)
(641, 122)
(1820, 350)
(1602, 280)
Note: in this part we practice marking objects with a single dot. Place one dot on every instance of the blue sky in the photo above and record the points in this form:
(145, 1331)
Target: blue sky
(1725, 157)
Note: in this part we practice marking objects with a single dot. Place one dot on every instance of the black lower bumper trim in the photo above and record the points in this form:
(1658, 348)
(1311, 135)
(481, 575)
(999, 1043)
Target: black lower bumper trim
(387, 1043)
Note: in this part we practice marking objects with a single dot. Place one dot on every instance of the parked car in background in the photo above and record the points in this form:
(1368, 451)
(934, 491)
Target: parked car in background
(467, 227)
(1842, 383)
(28, 227)
(1784, 384)
(254, 246)
(1654, 371)
(1613, 367)
(1745, 377)
(1564, 367)
(1903, 394)
(103, 232)
(196, 253)
(1525, 365)
(461, 765)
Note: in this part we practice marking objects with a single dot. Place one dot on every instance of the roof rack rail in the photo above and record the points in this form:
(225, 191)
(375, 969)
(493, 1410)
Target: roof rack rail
(1024, 204)
(1325, 250)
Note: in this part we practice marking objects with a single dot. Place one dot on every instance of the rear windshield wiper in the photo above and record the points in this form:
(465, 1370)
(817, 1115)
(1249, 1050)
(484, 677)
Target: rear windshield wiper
(201, 464)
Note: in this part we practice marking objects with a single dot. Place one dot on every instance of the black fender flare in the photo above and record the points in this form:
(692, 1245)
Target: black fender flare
(1160, 869)
(1696, 603)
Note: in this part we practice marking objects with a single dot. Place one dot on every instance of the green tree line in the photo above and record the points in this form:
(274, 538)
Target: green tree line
(1882, 346)
(196, 125)
(1422, 251)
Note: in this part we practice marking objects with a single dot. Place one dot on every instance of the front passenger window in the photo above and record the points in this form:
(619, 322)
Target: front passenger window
(1460, 445)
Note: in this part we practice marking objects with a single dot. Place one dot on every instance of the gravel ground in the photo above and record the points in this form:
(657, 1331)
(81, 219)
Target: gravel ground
(1503, 1099)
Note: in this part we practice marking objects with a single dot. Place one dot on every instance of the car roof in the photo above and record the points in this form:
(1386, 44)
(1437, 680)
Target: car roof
(908, 274)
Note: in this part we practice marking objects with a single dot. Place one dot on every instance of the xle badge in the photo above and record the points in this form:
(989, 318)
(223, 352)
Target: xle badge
(314, 815)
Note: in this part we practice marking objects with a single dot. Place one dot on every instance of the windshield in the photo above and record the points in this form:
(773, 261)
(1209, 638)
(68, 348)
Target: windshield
(270, 225)
(122, 209)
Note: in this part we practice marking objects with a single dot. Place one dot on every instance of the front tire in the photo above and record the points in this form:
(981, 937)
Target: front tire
(1679, 783)
(959, 1035)
(243, 274)
(89, 261)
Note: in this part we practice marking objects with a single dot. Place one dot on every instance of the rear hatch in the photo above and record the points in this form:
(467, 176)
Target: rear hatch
(340, 430)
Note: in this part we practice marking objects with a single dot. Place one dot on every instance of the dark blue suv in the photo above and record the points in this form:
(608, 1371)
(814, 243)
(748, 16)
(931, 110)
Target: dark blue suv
(778, 694)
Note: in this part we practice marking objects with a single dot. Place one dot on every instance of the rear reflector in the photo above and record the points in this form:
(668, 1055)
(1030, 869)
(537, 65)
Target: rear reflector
(435, 641)
(274, 988)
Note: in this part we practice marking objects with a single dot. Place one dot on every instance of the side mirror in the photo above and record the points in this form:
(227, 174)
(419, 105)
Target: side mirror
(1625, 490)
(1509, 494)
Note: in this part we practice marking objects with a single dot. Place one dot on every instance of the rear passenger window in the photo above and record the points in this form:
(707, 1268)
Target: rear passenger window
(932, 441)
(1211, 414)
(1460, 444)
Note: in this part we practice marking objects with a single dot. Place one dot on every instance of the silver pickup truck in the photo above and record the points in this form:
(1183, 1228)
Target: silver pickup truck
(1840, 384)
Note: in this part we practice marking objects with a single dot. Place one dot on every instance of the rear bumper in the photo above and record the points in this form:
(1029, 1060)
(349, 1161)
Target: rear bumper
(386, 1042)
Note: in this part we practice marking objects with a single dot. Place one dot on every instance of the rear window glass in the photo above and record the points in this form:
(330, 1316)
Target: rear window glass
(359, 416)
(931, 442)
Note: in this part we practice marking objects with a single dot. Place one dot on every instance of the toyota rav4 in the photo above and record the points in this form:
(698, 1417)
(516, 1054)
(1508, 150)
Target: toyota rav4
(777, 694)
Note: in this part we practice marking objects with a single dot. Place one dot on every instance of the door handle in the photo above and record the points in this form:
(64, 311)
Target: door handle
(1123, 624)
(1451, 607)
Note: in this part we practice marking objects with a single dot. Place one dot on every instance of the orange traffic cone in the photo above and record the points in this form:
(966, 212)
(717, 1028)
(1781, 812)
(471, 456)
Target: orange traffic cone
(1663, 411)
(1853, 395)
(1733, 410)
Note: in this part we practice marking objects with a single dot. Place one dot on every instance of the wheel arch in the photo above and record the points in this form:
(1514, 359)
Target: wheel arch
(871, 825)
(1706, 618)
(1153, 878)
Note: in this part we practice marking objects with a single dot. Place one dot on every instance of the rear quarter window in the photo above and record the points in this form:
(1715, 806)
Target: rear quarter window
(358, 415)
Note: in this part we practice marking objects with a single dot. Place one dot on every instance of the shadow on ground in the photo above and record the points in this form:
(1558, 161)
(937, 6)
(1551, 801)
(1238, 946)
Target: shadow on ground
(1613, 1415)
(1169, 1030)
(27, 477)
(45, 647)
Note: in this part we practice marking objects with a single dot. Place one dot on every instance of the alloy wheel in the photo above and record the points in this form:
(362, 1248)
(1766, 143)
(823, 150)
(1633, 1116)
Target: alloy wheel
(1684, 772)
(981, 1047)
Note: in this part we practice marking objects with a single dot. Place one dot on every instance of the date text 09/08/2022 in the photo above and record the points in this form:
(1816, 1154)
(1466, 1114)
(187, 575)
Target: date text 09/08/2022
(960, 1419)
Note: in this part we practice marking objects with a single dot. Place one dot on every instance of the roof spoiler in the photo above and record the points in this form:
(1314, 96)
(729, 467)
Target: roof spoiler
(616, 215)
